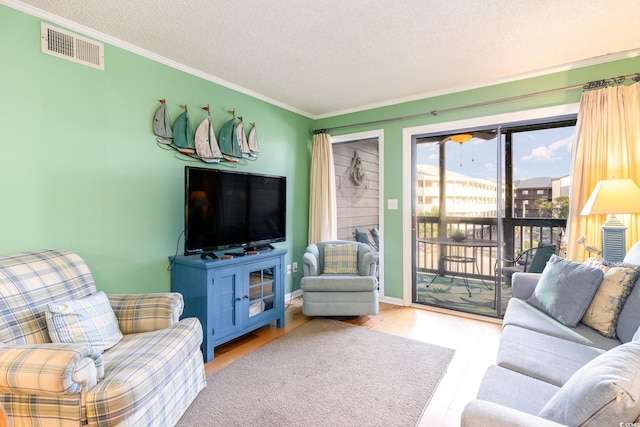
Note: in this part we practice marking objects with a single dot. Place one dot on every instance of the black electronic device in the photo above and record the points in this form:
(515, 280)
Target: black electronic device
(228, 210)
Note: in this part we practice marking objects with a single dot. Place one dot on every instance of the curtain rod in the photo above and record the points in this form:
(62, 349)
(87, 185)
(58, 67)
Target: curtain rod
(597, 84)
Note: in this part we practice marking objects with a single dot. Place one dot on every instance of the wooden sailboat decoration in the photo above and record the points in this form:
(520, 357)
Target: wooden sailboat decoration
(205, 139)
(183, 138)
(242, 141)
(253, 140)
(229, 138)
(162, 124)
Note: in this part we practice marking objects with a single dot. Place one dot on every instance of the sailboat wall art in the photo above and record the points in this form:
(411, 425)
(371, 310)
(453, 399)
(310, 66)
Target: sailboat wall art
(183, 137)
(206, 143)
(253, 140)
(232, 146)
(162, 124)
(229, 139)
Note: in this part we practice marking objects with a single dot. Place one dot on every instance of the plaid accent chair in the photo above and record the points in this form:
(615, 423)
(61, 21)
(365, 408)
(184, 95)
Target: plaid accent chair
(339, 279)
(148, 378)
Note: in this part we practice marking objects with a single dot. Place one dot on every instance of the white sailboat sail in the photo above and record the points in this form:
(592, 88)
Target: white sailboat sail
(162, 124)
(242, 140)
(253, 140)
(205, 140)
(203, 147)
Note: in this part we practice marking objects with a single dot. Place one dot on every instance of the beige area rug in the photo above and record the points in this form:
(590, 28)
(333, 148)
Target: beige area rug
(324, 373)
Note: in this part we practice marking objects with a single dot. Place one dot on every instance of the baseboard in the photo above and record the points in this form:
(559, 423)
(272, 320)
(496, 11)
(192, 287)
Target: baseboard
(291, 295)
(391, 300)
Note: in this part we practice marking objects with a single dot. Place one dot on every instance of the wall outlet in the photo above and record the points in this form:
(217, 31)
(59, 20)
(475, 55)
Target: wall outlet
(295, 267)
(288, 268)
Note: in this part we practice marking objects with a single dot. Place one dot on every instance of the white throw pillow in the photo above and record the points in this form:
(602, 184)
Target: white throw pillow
(89, 320)
(633, 256)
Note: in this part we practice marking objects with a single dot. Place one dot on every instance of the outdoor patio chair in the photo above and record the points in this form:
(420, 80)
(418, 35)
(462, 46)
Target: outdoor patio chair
(362, 237)
(375, 234)
(530, 261)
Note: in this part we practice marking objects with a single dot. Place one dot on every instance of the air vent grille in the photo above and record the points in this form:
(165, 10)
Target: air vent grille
(75, 48)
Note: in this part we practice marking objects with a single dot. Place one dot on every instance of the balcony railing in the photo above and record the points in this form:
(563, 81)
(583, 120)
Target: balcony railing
(519, 234)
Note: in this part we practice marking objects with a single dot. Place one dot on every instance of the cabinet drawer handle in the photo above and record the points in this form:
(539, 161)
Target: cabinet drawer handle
(246, 297)
(238, 299)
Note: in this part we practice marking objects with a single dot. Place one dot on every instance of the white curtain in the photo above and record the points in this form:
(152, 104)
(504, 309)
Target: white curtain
(322, 191)
(606, 145)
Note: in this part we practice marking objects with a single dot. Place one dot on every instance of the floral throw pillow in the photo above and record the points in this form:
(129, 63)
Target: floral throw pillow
(619, 279)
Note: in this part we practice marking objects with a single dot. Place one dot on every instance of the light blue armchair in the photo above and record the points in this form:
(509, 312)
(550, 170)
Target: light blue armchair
(339, 279)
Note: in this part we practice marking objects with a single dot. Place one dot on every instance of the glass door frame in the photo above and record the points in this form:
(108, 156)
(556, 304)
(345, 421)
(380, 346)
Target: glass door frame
(511, 119)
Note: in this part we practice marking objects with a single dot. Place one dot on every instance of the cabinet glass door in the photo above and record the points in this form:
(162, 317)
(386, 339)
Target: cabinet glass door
(261, 289)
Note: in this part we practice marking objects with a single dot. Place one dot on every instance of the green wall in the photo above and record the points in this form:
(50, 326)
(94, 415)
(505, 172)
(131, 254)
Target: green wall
(393, 180)
(81, 170)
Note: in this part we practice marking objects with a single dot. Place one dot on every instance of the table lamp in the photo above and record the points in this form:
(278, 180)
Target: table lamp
(611, 197)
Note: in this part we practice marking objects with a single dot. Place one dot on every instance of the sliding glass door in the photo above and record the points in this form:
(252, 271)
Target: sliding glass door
(480, 198)
(455, 221)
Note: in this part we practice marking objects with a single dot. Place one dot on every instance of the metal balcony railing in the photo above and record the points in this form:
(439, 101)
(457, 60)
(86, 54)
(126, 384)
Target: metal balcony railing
(520, 234)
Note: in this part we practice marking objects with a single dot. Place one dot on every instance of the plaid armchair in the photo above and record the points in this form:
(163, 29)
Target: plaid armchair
(148, 378)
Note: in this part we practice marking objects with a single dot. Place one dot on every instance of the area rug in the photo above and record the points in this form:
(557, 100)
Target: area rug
(324, 373)
(449, 293)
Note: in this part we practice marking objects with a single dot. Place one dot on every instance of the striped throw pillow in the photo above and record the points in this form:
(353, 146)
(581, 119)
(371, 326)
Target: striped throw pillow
(341, 258)
(89, 320)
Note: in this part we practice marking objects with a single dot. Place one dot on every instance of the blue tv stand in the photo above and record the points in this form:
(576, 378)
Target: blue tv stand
(231, 297)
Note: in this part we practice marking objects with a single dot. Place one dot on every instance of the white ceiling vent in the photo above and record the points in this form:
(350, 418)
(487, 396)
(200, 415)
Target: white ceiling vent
(70, 46)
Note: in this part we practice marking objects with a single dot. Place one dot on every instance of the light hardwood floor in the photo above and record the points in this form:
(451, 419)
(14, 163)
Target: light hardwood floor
(475, 342)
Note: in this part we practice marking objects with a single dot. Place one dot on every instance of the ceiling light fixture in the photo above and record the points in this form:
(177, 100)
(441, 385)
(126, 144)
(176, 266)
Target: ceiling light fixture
(461, 137)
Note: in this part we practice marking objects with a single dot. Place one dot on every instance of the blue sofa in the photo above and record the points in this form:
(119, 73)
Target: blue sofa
(548, 373)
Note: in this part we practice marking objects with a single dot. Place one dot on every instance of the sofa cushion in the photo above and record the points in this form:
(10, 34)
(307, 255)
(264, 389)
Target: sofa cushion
(89, 320)
(341, 258)
(550, 359)
(566, 289)
(515, 390)
(619, 279)
(521, 313)
(604, 392)
(138, 366)
(330, 283)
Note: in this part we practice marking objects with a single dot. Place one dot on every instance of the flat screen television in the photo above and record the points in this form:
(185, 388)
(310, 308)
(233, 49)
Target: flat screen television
(225, 210)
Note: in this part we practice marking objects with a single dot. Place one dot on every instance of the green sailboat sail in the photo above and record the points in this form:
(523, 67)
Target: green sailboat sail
(229, 140)
(183, 138)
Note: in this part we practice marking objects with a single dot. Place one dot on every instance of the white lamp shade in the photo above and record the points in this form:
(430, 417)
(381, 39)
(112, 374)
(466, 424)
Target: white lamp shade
(613, 196)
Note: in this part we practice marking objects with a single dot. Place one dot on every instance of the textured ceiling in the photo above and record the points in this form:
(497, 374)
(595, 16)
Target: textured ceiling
(323, 57)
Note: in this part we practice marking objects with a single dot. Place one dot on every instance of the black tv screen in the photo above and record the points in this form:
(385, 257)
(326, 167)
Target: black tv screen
(225, 209)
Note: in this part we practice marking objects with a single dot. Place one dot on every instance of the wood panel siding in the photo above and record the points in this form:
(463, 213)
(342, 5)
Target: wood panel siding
(358, 197)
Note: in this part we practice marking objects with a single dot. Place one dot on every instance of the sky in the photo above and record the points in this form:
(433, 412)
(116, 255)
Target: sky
(539, 153)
